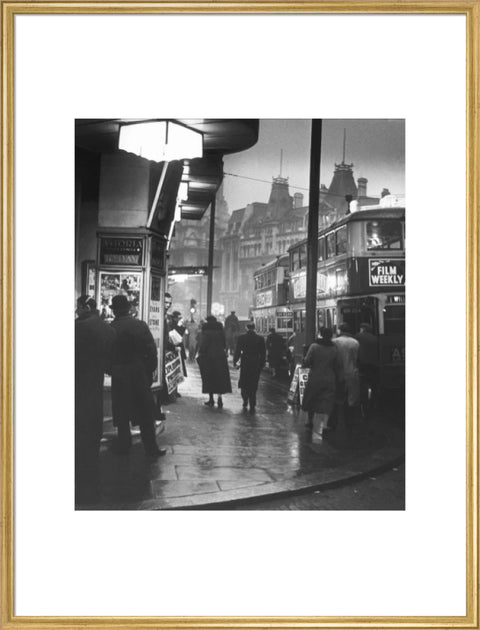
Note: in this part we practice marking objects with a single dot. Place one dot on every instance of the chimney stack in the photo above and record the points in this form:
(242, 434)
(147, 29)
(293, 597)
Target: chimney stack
(362, 186)
(298, 200)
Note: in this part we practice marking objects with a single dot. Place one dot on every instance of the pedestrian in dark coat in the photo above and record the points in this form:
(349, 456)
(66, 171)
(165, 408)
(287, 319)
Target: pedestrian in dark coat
(93, 355)
(367, 367)
(251, 352)
(324, 361)
(212, 360)
(275, 350)
(134, 361)
(232, 330)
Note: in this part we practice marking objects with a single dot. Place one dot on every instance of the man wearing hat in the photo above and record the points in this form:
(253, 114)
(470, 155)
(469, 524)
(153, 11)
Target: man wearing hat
(232, 328)
(94, 341)
(251, 351)
(134, 362)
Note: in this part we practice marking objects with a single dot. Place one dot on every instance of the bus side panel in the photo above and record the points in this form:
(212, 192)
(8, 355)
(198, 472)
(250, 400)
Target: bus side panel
(392, 361)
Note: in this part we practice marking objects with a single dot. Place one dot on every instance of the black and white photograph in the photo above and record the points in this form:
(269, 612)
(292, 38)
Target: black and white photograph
(240, 314)
(210, 417)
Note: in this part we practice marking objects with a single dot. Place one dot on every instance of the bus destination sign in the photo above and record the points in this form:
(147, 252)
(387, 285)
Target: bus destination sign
(121, 251)
(383, 273)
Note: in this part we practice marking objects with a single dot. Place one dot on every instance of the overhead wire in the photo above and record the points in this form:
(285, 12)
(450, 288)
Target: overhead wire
(266, 181)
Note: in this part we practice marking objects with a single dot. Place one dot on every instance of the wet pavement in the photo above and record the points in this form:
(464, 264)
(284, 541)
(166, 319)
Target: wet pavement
(220, 458)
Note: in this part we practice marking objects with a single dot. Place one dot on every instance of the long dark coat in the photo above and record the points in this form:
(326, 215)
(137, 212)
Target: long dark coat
(134, 361)
(212, 360)
(93, 355)
(251, 352)
(275, 349)
(326, 371)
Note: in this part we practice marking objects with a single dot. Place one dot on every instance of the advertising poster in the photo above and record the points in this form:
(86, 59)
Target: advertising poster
(302, 382)
(292, 397)
(129, 284)
(154, 320)
(173, 370)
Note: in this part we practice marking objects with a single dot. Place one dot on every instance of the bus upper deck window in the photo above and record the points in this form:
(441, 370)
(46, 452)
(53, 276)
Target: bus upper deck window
(384, 234)
(330, 245)
(294, 260)
(321, 249)
(341, 245)
(303, 255)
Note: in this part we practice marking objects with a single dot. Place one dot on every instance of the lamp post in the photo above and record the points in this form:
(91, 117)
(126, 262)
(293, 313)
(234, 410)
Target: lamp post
(211, 243)
(312, 249)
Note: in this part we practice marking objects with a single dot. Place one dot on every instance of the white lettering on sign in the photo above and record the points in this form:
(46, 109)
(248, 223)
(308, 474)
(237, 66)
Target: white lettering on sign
(386, 272)
(302, 381)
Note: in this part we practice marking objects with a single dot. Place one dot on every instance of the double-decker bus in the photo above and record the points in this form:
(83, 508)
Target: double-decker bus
(360, 278)
(270, 298)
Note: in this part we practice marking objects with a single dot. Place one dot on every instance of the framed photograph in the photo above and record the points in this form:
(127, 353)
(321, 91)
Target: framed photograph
(399, 81)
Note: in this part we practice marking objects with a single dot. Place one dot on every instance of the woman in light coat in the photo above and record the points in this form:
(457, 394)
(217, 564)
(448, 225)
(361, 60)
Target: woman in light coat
(323, 359)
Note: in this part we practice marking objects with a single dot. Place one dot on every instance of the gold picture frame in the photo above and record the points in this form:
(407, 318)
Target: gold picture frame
(471, 10)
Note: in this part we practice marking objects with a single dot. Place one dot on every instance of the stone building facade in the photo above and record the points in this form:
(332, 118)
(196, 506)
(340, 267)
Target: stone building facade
(190, 249)
(249, 237)
(259, 232)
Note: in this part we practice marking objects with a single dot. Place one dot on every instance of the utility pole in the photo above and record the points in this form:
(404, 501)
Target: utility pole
(312, 244)
(211, 245)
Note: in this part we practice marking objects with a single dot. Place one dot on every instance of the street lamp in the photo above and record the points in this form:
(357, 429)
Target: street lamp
(161, 140)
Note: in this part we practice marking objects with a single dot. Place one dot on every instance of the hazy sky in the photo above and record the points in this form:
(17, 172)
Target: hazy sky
(375, 147)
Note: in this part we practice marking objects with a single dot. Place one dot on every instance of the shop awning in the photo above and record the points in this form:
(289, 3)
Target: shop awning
(220, 137)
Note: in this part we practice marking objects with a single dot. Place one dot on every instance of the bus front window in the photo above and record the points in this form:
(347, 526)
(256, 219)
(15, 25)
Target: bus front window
(384, 234)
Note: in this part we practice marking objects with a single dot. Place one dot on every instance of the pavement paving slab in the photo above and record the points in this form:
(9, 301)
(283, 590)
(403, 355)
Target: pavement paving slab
(218, 458)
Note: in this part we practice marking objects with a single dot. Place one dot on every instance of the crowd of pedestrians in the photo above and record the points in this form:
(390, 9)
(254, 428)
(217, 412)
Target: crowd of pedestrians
(343, 379)
(343, 375)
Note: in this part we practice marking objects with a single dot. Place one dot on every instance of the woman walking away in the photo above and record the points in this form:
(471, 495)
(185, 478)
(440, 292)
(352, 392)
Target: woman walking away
(326, 371)
(212, 360)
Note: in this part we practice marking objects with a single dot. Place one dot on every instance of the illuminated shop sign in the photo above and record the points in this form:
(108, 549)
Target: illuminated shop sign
(121, 251)
(383, 272)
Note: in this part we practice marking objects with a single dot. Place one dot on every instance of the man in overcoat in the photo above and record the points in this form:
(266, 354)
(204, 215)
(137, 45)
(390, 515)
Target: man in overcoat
(275, 345)
(250, 351)
(93, 355)
(232, 329)
(134, 362)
